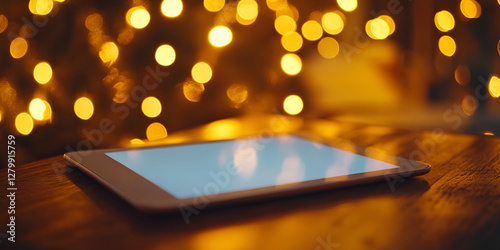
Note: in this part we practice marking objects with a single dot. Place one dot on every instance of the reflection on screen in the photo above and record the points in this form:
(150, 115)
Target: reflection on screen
(203, 169)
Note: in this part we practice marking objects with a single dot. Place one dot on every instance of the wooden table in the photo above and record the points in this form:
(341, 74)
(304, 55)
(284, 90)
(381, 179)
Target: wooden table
(455, 206)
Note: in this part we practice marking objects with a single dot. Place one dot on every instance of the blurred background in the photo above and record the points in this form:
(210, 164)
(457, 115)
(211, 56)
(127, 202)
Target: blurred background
(117, 73)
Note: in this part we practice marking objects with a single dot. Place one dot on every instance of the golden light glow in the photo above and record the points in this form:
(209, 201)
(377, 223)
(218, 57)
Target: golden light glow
(332, 23)
(171, 8)
(0, 116)
(193, 90)
(237, 93)
(40, 7)
(390, 22)
(151, 107)
(494, 86)
(312, 30)
(220, 36)
(447, 46)
(469, 105)
(292, 41)
(18, 47)
(488, 133)
(137, 17)
(293, 104)
(291, 64)
(4, 22)
(201, 72)
(470, 8)
(328, 47)
(84, 108)
(377, 29)
(40, 110)
(462, 75)
(42, 72)
(348, 5)
(247, 10)
(156, 131)
(136, 141)
(276, 4)
(24, 123)
(213, 5)
(93, 22)
(165, 55)
(444, 21)
(285, 24)
(109, 53)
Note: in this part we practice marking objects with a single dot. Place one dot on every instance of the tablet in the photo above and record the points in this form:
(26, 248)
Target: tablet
(189, 177)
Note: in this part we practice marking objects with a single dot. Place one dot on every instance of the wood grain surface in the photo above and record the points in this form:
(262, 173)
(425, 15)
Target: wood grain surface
(455, 206)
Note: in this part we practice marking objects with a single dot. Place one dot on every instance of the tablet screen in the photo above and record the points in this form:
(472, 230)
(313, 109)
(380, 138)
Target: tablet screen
(194, 170)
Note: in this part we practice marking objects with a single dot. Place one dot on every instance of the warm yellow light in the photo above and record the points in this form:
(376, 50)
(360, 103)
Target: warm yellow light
(4, 22)
(165, 55)
(40, 110)
(291, 64)
(220, 36)
(171, 8)
(84, 108)
(285, 24)
(18, 47)
(93, 22)
(293, 104)
(40, 7)
(347, 5)
(136, 141)
(213, 5)
(137, 17)
(377, 29)
(470, 8)
(109, 53)
(488, 133)
(277, 4)
(42, 73)
(247, 9)
(332, 23)
(494, 86)
(193, 90)
(201, 72)
(151, 107)
(444, 21)
(156, 131)
(462, 75)
(390, 22)
(447, 46)
(0, 116)
(24, 123)
(292, 41)
(237, 93)
(328, 47)
(312, 30)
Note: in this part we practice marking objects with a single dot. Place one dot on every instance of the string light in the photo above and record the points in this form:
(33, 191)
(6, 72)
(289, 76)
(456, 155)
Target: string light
(84, 108)
(40, 7)
(247, 11)
(447, 46)
(293, 104)
(42, 72)
(40, 110)
(285, 24)
(390, 22)
(165, 55)
(237, 93)
(193, 90)
(312, 30)
(291, 64)
(347, 5)
(109, 53)
(24, 124)
(213, 5)
(494, 86)
(220, 36)
(328, 47)
(332, 23)
(201, 72)
(137, 17)
(171, 8)
(18, 47)
(444, 21)
(470, 9)
(151, 107)
(156, 131)
(292, 41)
(377, 29)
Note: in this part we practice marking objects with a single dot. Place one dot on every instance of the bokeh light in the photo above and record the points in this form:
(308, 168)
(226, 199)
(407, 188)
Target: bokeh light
(40, 7)
(42, 72)
(24, 123)
(390, 22)
(201, 72)
(347, 5)
(18, 47)
(332, 23)
(84, 108)
(293, 104)
(237, 93)
(462, 75)
(4, 22)
(137, 17)
(220, 36)
(192, 90)
(171, 8)
(165, 55)
(151, 107)
(377, 29)
(213, 5)
(109, 53)
(470, 9)
(447, 46)
(312, 30)
(444, 21)
(292, 41)
(136, 141)
(291, 64)
(93, 22)
(40, 110)
(285, 24)
(494, 86)
(156, 131)
(328, 47)
(247, 11)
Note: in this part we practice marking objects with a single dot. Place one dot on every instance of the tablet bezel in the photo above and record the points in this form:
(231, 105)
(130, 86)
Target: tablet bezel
(148, 197)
